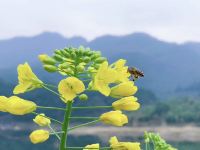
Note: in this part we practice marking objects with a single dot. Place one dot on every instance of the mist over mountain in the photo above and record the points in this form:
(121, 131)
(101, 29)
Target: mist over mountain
(167, 66)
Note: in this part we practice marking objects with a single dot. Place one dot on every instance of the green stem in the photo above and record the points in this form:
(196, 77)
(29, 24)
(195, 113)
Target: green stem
(48, 118)
(50, 85)
(53, 108)
(66, 125)
(92, 118)
(146, 146)
(84, 124)
(59, 132)
(92, 107)
(51, 90)
(54, 132)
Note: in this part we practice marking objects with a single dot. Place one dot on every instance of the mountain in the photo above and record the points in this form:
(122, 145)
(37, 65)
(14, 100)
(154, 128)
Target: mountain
(167, 66)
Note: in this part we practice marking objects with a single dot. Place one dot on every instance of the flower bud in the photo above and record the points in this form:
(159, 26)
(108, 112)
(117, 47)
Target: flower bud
(86, 59)
(39, 136)
(96, 66)
(87, 51)
(41, 120)
(50, 68)
(124, 89)
(69, 70)
(66, 54)
(96, 55)
(80, 52)
(73, 54)
(115, 118)
(100, 60)
(83, 97)
(58, 52)
(58, 57)
(90, 53)
(91, 69)
(19, 106)
(64, 66)
(80, 68)
(127, 103)
(46, 59)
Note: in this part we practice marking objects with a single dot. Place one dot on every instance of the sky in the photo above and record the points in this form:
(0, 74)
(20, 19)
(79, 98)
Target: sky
(169, 20)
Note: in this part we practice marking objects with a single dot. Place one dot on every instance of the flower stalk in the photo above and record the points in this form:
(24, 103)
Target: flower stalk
(65, 125)
(84, 124)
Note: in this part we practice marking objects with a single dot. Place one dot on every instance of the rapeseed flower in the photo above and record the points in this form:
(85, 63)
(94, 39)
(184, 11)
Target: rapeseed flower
(39, 136)
(19, 106)
(115, 118)
(116, 145)
(41, 120)
(126, 103)
(70, 87)
(123, 89)
(103, 78)
(122, 73)
(92, 146)
(27, 79)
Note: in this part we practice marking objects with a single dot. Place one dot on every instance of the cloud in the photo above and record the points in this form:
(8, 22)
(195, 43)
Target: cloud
(171, 20)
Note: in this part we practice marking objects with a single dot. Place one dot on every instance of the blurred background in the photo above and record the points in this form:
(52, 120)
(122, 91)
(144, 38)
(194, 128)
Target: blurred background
(161, 38)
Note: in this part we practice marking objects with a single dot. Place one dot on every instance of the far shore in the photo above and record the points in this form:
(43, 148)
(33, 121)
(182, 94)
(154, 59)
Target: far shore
(186, 133)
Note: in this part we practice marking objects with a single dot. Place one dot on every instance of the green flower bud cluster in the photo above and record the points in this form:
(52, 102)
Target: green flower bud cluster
(71, 60)
(158, 142)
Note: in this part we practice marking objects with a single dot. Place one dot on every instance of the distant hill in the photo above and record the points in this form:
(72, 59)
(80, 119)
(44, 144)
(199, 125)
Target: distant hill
(167, 66)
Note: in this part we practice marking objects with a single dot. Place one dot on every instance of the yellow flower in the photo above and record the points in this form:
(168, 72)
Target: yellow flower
(122, 73)
(19, 106)
(92, 146)
(39, 136)
(70, 87)
(3, 103)
(116, 145)
(27, 79)
(103, 78)
(126, 103)
(115, 118)
(123, 90)
(41, 120)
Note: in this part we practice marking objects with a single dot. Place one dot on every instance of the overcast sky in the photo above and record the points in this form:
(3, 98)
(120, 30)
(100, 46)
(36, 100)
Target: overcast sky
(170, 20)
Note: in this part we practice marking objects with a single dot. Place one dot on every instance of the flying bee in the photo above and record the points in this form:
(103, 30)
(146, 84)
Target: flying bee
(135, 73)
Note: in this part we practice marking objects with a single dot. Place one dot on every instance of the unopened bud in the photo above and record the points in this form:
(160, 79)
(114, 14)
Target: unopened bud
(96, 66)
(83, 97)
(91, 69)
(58, 57)
(66, 54)
(86, 59)
(50, 68)
(73, 55)
(64, 66)
(58, 52)
(100, 60)
(69, 71)
(46, 59)
(80, 68)
(96, 55)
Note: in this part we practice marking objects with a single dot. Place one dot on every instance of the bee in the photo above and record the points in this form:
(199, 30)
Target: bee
(135, 73)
